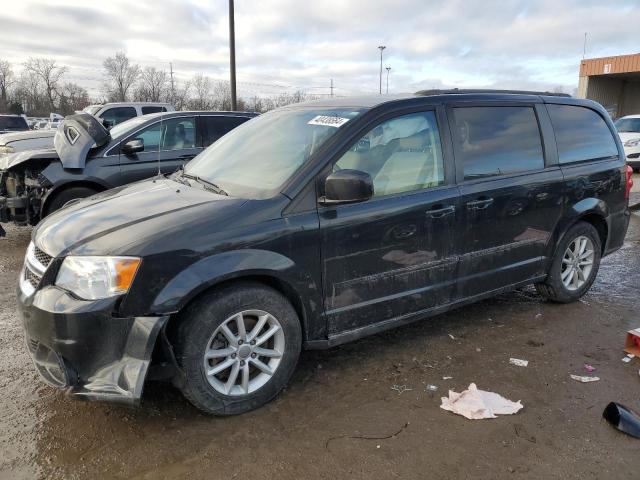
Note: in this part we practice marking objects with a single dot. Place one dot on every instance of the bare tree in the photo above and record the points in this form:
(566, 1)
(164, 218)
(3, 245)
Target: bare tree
(181, 95)
(153, 85)
(48, 74)
(6, 80)
(202, 93)
(29, 94)
(120, 75)
(73, 98)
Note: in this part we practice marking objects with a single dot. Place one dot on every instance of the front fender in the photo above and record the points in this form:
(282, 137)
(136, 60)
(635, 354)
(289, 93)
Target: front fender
(205, 273)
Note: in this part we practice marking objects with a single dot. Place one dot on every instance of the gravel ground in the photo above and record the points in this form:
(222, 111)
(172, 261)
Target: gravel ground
(341, 418)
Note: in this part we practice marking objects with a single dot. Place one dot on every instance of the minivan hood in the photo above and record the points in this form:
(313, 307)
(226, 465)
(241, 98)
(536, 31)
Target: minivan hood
(114, 210)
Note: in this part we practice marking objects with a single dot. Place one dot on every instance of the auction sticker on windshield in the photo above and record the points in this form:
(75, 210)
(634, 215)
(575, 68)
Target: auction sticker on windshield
(328, 121)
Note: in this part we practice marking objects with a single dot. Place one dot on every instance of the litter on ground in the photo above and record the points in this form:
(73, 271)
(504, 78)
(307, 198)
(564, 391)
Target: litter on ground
(518, 362)
(447, 378)
(431, 388)
(401, 388)
(584, 379)
(452, 337)
(476, 404)
(589, 368)
(628, 358)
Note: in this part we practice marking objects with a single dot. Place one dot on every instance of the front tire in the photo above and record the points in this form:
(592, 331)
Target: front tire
(575, 265)
(238, 348)
(68, 195)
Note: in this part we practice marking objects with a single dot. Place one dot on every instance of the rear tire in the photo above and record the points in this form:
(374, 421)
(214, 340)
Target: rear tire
(204, 345)
(575, 265)
(67, 195)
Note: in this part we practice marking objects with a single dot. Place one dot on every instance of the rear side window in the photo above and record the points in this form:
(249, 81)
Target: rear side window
(497, 140)
(150, 109)
(216, 127)
(581, 134)
(118, 115)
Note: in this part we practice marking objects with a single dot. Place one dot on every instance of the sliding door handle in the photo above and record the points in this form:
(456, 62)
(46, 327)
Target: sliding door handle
(480, 204)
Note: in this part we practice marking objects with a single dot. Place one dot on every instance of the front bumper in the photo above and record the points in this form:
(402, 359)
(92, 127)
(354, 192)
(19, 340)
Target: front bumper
(82, 347)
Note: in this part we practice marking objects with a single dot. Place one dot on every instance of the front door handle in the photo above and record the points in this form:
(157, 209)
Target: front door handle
(441, 212)
(480, 204)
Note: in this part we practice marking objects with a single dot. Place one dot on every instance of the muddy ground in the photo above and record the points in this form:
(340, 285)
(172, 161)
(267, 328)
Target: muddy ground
(324, 424)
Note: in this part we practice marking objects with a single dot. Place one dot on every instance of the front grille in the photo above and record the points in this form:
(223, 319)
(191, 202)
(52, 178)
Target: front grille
(42, 257)
(31, 277)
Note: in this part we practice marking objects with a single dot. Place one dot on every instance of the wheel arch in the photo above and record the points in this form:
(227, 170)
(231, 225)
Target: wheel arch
(58, 189)
(270, 269)
(591, 210)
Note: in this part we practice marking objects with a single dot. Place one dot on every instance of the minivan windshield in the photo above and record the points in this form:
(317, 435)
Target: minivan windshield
(628, 125)
(256, 158)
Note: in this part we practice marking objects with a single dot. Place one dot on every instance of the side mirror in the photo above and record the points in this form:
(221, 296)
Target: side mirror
(347, 186)
(133, 146)
(107, 124)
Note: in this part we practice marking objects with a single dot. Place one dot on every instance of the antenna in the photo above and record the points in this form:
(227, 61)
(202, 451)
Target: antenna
(160, 144)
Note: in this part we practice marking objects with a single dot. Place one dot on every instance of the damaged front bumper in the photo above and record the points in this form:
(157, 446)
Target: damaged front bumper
(21, 199)
(81, 347)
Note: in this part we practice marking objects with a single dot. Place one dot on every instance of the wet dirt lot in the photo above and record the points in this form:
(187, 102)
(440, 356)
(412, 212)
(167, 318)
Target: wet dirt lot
(340, 418)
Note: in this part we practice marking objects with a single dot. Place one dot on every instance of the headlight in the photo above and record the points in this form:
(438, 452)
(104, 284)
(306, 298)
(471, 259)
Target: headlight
(93, 278)
(6, 149)
(634, 142)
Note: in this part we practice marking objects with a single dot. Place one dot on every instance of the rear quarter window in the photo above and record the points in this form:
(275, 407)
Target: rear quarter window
(581, 134)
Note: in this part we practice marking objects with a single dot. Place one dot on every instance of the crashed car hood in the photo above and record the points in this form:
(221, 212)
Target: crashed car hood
(76, 135)
(113, 211)
(14, 159)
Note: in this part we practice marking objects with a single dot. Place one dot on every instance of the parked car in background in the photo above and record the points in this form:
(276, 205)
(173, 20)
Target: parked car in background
(12, 123)
(110, 114)
(114, 113)
(88, 158)
(27, 140)
(314, 225)
(629, 130)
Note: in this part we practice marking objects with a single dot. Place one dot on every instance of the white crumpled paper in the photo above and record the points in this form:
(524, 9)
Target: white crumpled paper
(475, 404)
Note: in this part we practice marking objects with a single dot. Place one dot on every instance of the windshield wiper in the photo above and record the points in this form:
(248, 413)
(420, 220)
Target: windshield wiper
(209, 185)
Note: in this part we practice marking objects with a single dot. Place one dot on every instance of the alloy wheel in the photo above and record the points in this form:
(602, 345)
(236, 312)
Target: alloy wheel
(244, 352)
(577, 263)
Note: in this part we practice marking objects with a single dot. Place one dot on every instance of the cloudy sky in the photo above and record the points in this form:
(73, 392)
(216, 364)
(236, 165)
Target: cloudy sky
(286, 45)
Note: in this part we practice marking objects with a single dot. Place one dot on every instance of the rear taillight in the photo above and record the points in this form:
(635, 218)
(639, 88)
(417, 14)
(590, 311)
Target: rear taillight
(629, 183)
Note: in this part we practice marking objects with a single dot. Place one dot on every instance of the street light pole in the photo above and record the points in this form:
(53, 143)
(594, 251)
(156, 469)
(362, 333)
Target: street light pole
(232, 56)
(381, 47)
(388, 70)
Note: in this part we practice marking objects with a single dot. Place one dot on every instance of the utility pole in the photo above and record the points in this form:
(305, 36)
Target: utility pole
(232, 56)
(388, 70)
(173, 91)
(584, 48)
(332, 87)
(381, 47)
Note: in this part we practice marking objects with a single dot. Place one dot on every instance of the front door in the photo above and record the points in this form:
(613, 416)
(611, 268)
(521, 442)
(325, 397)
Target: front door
(394, 254)
(167, 146)
(511, 200)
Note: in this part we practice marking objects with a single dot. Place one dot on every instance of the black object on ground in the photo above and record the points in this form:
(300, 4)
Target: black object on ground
(623, 419)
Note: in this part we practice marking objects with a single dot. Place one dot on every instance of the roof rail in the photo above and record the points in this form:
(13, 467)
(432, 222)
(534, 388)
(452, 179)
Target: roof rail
(459, 91)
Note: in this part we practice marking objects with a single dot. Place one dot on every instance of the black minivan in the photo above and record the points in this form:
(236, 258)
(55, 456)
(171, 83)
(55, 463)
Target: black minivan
(317, 224)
